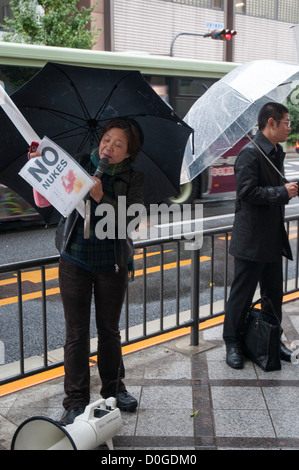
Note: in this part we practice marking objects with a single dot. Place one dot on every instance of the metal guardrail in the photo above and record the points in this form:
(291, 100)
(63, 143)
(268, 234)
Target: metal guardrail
(162, 325)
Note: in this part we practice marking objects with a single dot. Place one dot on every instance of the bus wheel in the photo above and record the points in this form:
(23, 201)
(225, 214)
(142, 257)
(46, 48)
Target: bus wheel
(189, 192)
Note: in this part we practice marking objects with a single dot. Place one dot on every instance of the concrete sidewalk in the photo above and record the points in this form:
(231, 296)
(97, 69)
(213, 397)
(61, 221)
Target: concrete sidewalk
(236, 409)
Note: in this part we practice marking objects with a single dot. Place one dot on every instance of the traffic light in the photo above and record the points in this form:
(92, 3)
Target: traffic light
(223, 35)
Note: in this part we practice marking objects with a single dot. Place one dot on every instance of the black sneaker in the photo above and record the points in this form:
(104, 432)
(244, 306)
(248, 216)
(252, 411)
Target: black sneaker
(125, 401)
(70, 415)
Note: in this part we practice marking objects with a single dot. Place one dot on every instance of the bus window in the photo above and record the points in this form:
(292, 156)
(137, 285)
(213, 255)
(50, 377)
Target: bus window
(12, 206)
(13, 77)
(220, 175)
(186, 91)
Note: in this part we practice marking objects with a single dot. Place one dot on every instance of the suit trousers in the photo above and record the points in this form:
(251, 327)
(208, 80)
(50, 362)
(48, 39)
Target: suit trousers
(247, 275)
(77, 286)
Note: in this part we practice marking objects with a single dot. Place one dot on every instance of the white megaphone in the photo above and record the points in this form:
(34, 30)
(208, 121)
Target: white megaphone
(97, 425)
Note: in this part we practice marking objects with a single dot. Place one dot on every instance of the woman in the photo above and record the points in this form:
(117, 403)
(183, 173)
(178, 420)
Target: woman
(99, 266)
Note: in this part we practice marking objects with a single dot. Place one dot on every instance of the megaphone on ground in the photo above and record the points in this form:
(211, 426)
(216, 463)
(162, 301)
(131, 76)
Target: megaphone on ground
(100, 421)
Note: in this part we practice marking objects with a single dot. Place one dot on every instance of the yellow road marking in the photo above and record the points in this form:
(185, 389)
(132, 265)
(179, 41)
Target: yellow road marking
(30, 296)
(32, 276)
(156, 269)
(52, 273)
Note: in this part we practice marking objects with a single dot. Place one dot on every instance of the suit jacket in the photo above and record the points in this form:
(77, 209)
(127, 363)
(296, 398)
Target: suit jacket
(258, 233)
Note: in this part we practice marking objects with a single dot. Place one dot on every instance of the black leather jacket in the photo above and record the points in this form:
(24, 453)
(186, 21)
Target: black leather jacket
(258, 232)
(129, 184)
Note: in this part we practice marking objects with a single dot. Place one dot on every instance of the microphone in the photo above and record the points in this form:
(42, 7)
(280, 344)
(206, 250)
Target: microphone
(103, 163)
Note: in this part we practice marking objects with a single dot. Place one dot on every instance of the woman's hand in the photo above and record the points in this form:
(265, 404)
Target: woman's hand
(34, 154)
(96, 191)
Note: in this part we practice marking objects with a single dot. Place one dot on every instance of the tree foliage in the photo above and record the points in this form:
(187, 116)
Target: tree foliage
(293, 107)
(51, 23)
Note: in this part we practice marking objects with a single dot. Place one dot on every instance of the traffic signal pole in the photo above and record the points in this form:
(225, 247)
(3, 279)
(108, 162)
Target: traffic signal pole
(223, 35)
(229, 20)
(186, 34)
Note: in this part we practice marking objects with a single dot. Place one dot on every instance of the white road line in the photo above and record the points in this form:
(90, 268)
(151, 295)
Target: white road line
(205, 219)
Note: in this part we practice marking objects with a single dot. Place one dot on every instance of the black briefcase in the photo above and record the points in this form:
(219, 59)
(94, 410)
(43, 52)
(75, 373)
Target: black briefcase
(261, 337)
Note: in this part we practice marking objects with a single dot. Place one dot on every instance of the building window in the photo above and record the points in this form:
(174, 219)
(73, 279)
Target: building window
(261, 8)
(217, 4)
(240, 7)
(5, 11)
(281, 10)
(194, 3)
(288, 11)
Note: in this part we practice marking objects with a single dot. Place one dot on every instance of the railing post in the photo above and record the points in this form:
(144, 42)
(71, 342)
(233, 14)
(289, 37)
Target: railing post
(195, 254)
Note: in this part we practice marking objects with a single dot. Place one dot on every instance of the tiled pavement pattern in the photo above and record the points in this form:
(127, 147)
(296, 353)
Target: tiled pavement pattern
(237, 409)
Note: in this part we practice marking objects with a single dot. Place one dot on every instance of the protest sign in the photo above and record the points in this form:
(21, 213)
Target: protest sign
(58, 177)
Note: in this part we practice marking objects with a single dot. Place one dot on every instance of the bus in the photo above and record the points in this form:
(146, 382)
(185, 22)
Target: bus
(178, 81)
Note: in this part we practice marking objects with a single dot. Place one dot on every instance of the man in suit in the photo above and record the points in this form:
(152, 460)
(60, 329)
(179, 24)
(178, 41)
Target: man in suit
(259, 239)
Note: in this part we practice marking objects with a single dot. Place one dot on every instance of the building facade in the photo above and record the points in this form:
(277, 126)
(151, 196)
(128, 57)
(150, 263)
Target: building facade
(264, 27)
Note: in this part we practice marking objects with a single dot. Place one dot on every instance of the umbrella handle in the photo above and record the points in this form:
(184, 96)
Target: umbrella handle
(87, 219)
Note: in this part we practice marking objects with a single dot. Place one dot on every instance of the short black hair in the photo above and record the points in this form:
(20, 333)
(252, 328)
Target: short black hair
(271, 110)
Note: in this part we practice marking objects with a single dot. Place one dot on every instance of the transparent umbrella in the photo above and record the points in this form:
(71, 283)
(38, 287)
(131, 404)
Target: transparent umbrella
(229, 109)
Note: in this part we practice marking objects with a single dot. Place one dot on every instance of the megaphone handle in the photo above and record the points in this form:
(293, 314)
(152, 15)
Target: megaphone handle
(89, 410)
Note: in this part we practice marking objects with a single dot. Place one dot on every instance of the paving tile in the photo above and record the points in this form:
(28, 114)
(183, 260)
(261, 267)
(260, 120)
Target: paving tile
(165, 422)
(243, 423)
(220, 370)
(281, 398)
(166, 397)
(237, 398)
(286, 423)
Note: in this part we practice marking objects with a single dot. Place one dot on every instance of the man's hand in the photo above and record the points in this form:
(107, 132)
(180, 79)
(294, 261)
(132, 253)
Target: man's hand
(292, 189)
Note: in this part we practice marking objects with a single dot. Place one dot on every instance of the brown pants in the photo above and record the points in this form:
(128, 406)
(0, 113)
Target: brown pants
(76, 286)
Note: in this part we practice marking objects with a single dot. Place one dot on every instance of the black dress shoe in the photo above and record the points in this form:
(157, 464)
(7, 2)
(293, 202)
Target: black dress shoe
(125, 401)
(70, 416)
(285, 353)
(234, 356)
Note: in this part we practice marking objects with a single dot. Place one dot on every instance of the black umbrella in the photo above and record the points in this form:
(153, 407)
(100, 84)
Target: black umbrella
(70, 105)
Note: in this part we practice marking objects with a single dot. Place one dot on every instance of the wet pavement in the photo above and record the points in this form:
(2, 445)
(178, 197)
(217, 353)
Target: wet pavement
(189, 399)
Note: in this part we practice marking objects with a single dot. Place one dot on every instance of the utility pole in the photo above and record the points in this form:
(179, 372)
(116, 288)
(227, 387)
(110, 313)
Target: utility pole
(229, 21)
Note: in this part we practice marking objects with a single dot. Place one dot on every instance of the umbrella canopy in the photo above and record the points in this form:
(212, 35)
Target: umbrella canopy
(230, 107)
(70, 104)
